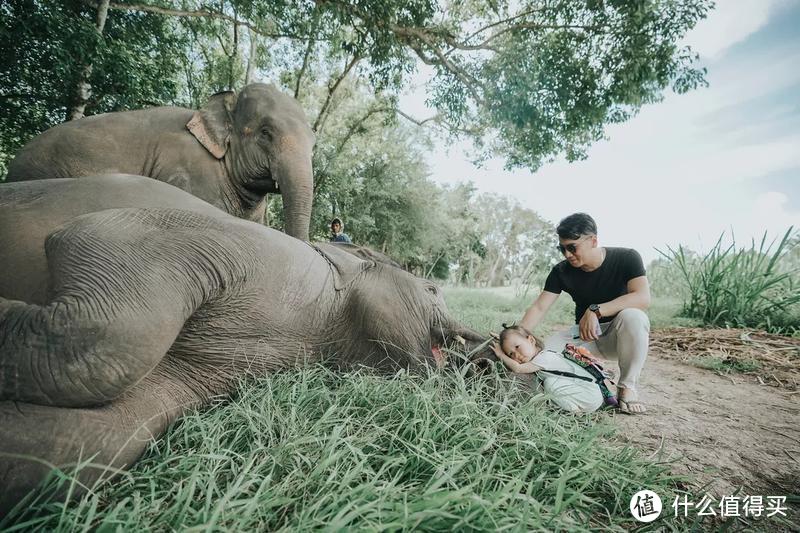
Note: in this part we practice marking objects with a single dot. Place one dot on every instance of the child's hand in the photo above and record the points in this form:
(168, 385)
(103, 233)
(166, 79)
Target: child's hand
(497, 350)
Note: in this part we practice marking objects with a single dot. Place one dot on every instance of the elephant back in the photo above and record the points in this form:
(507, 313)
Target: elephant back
(122, 142)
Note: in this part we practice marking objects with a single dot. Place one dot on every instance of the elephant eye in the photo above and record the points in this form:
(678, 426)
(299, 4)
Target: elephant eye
(432, 289)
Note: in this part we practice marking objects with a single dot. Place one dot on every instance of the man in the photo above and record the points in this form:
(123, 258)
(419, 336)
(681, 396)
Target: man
(611, 293)
(336, 231)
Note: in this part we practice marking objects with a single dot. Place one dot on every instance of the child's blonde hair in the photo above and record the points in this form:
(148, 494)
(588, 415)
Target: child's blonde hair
(516, 328)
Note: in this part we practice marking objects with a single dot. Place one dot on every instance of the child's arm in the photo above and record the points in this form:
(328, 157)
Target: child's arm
(517, 368)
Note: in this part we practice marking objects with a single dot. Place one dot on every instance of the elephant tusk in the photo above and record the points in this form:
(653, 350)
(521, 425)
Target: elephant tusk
(460, 340)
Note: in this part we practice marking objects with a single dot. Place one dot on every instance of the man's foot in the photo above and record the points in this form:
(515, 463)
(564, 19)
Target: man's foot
(629, 402)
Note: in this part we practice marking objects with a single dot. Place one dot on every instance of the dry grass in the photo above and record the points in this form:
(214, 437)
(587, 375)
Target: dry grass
(767, 358)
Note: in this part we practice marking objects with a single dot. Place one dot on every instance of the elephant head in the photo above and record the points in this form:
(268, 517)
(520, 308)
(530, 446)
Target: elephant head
(263, 137)
(391, 318)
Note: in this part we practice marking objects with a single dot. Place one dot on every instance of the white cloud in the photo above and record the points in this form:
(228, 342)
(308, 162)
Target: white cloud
(730, 22)
(770, 210)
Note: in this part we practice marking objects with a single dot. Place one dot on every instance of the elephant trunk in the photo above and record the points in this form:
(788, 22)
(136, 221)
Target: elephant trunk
(475, 347)
(296, 182)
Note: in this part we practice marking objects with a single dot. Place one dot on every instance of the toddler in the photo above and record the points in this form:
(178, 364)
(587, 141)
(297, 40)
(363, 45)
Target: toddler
(523, 353)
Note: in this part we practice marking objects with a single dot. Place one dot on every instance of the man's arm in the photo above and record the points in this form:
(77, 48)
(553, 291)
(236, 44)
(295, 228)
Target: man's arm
(538, 310)
(638, 297)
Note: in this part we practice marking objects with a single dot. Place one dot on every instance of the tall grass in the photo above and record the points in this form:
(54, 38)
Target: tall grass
(746, 287)
(313, 449)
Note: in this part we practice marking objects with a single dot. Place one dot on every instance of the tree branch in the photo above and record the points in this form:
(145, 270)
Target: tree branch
(418, 122)
(83, 89)
(251, 58)
(351, 132)
(306, 56)
(469, 81)
(199, 13)
(331, 90)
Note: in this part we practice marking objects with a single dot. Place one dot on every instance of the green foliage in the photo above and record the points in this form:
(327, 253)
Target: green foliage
(666, 278)
(309, 449)
(45, 44)
(753, 287)
(551, 80)
(725, 365)
(518, 245)
(523, 80)
(370, 172)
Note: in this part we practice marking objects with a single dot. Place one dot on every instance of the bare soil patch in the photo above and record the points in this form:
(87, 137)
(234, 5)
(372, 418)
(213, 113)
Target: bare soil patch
(726, 432)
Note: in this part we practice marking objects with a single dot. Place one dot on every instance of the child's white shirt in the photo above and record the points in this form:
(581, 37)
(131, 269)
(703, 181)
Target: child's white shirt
(571, 394)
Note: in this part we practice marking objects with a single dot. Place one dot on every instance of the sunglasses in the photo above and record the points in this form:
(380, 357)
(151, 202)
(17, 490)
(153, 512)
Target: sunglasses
(571, 247)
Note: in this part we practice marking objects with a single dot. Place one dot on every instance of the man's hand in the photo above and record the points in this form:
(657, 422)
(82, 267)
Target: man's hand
(589, 326)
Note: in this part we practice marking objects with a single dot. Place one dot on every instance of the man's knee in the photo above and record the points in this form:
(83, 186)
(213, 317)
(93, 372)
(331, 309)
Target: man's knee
(633, 319)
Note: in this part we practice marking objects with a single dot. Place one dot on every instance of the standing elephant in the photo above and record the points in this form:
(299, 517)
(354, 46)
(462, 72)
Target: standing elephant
(231, 153)
(156, 302)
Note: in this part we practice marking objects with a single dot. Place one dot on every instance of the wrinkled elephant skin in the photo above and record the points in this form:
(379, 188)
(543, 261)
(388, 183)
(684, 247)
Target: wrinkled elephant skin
(120, 312)
(230, 153)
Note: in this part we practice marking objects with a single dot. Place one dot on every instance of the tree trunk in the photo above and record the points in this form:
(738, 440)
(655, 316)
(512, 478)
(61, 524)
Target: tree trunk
(235, 51)
(493, 272)
(251, 59)
(83, 89)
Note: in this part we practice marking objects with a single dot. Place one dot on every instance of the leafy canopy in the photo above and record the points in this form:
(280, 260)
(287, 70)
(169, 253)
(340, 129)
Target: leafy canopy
(527, 80)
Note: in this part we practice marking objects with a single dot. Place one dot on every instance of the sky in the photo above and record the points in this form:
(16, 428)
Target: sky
(725, 158)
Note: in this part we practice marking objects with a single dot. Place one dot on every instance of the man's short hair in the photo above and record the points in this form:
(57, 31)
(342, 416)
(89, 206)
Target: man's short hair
(576, 225)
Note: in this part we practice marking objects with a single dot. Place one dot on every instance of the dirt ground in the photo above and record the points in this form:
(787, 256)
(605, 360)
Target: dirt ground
(724, 432)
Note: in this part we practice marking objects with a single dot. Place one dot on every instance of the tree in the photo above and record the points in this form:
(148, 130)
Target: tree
(46, 48)
(517, 244)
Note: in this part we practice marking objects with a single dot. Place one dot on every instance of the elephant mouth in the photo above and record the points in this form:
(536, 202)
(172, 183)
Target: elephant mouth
(263, 185)
(457, 348)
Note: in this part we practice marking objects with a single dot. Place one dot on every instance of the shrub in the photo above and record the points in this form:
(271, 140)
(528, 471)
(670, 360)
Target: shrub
(747, 287)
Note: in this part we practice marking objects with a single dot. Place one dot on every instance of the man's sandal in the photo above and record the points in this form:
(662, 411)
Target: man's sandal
(630, 407)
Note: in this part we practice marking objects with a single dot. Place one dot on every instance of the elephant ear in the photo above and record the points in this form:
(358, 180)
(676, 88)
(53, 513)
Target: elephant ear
(212, 124)
(345, 267)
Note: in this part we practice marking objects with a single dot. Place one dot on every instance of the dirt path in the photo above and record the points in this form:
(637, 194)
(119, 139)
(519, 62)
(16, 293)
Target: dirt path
(721, 432)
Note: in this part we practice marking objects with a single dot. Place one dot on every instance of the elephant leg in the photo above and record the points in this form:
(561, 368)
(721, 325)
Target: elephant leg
(38, 438)
(124, 282)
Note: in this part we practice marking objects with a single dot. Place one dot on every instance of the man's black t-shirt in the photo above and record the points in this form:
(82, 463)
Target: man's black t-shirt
(605, 283)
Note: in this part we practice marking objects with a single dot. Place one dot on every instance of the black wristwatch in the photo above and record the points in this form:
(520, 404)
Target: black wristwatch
(595, 308)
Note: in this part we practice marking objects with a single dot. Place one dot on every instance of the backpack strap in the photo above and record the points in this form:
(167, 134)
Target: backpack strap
(568, 374)
(609, 398)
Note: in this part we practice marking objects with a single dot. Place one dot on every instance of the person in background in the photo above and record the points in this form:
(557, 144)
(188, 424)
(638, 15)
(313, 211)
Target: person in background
(337, 233)
(611, 293)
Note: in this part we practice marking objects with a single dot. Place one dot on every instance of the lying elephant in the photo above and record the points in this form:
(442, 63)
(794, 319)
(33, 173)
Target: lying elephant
(231, 153)
(156, 302)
